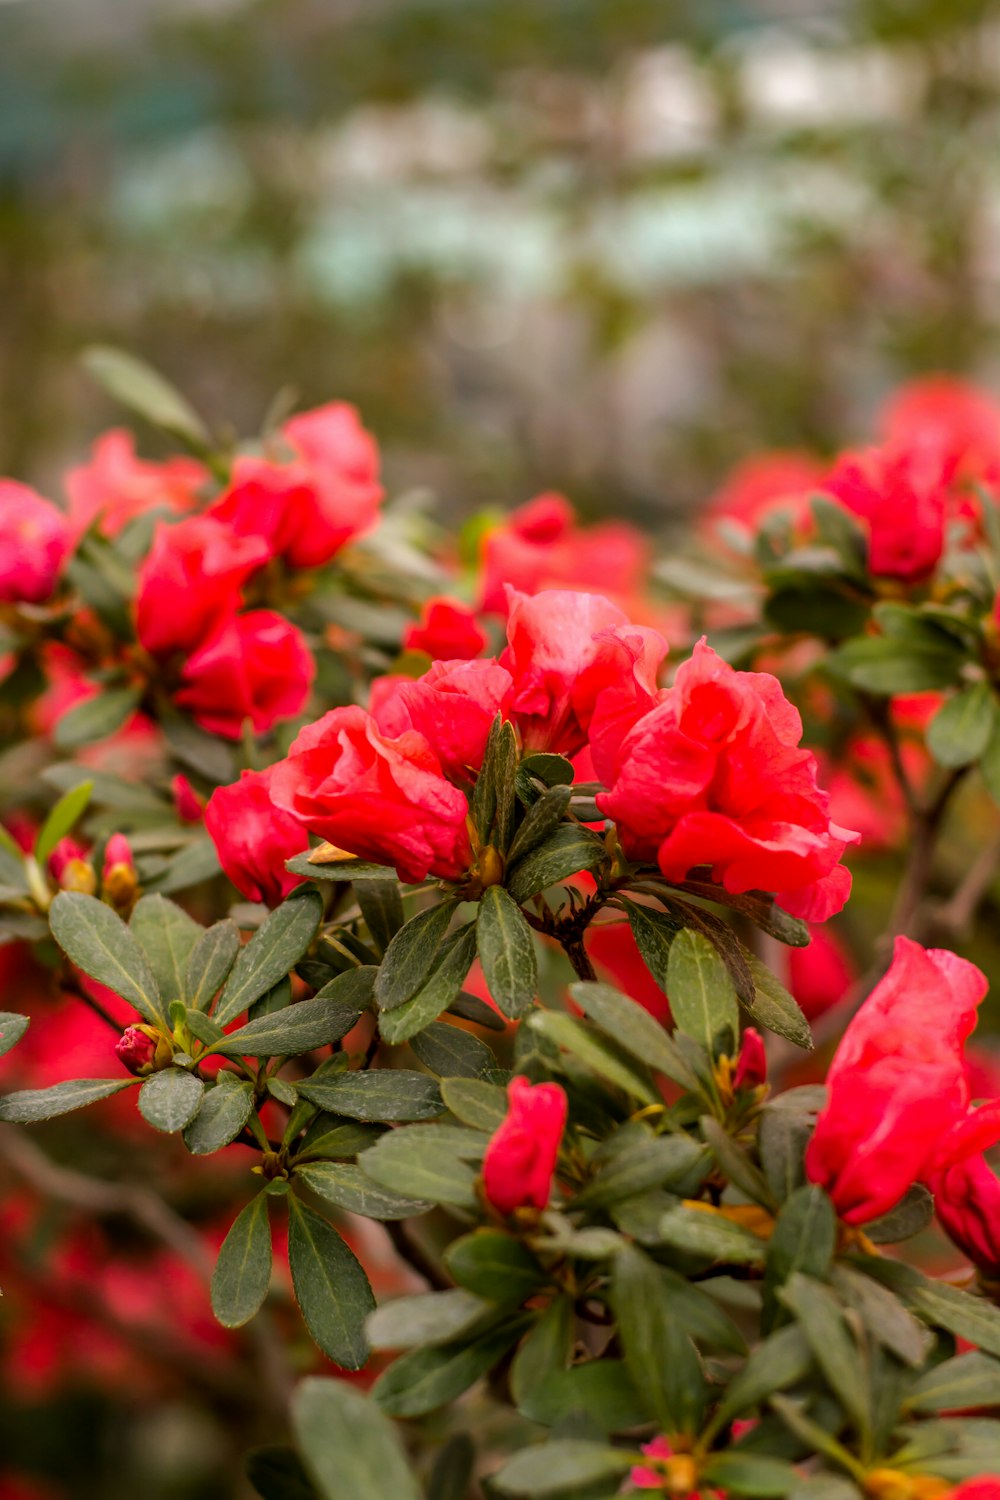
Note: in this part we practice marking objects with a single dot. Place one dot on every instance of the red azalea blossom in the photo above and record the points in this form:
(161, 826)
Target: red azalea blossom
(253, 838)
(117, 487)
(956, 424)
(190, 582)
(967, 1203)
(256, 666)
(520, 1160)
(712, 774)
(447, 631)
(35, 542)
(898, 1108)
(452, 705)
(901, 494)
(379, 798)
(540, 546)
(751, 1064)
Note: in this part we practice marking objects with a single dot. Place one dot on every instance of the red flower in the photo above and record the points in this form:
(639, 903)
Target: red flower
(34, 543)
(256, 666)
(136, 1049)
(378, 798)
(566, 651)
(901, 493)
(712, 775)
(190, 582)
(448, 631)
(751, 1064)
(954, 423)
(520, 1160)
(983, 1487)
(452, 705)
(540, 546)
(820, 975)
(187, 804)
(116, 487)
(309, 508)
(898, 1109)
(253, 838)
(762, 485)
(967, 1203)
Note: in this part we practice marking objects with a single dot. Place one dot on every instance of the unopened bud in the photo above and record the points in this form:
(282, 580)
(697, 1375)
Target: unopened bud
(71, 869)
(119, 881)
(187, 804)
(490, 866)
(682, 1474)
(143, 1050)
(751, 1065)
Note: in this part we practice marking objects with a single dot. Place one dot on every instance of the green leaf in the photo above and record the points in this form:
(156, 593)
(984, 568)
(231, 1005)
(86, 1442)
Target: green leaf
(779, 1362)
(940, 1305)
(209, 962)
(659, 1355)
(350, 1187)
(750, 1474)
(143, 390)
(656, 1161)
(452, 1053)
(964, 1383)
(633, 1028)
(886, 665)
(100, 944)
(774, 1008)
(31, 1105)
(484, 796)
(439, 990)
(330, 1286)
(190, 866)
(481, 1105)
(423, 1161)
(277, 1473)
(782, 1138)
(506, 952)
(597, 1052)
(427, 1318)
(12, 1029)
(883, 1315)
(274, 949)
(564, 1467)
(554, 770)
(804, 1239)
(242, 1272)
(411, 955)
(328, 1135)
(653, 932)
(494, 1265)
(543, 1356)
(425, 1379)
(224, 1111)
(353, 870)
(388, 1094)
(735, 1164)
(350, 1450)
(821, 1319)
(911, 1214)
(542, 819)
(168, 937)
(569, 850)
(706, 1233)
(299, 1028)
(170, 1100)
(64, 816)
(989, 765)
(453, 1469)
(961, 729)
(471, 1008)
(702, 995)
(382, 908)
(760, 908)
(96, 718)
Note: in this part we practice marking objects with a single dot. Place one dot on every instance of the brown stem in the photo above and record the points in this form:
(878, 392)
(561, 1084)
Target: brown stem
(925, 826)
(955, 917)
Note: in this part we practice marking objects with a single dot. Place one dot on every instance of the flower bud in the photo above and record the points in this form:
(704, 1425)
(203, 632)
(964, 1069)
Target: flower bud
(751, 1065)
(187, 804)
(143, 1050)
(71, 869)
(119, 882)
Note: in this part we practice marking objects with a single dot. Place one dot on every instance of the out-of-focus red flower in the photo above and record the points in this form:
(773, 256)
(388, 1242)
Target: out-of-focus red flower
(378, 798)
(35, 541)
(256, 666)
(760, 486)
(820, 975)
(967, 1203)
(119, 880)
(116, 487)
(713, 775)
(452, 705)
(253, 838)
(751, 1064)
(540, 546)
(520, 1160)
(901, 494)
(898, 1108)
(187, 804)
(190, 583)
(70, 867)
(956, 424)
(309, 508)
(983, 1487)
(567, 651)
(675, 1475)
(447, 630)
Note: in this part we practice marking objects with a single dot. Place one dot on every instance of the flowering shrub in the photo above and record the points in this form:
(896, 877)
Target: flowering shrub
(481, 921)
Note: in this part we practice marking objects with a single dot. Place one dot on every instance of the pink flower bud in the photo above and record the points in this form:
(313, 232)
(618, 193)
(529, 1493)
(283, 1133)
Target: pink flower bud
(751, 1065)
(187, 803)
(119, 881)
(136, 1049)
(66, 851)
(118, 852)
(520, 1159)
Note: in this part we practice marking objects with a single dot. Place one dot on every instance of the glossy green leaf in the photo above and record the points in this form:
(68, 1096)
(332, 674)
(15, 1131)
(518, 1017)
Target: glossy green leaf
(28, 1106)
(481, 1105)
(352, 1452)
(568, 850)
(425, 1162)
(349, 1187)
(563, 1467)
(242, 1272)
(452, 1053)
(961, 729)
(143, 390)
(330, 1286)
(659, 1355)
(168, 937)
(412, 955)
(438, 991)
(12, 1029)
(598, 1052)
(633, 1028)
(209, 964)
(821, 1320)
(427, 1318)
(170, 1100)
(299, 1028)
(387, 1094)
(774, 1008)
(62, 819)
(382, 908)
(541, 820)
(425, 1379)
(224, 1111)
(99, 943)
(702, 995)
(494, 1265)
(271, 953)
(507, 952)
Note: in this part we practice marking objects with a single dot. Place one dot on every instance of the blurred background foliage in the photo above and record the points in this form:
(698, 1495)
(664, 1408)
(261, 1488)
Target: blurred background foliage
(605, 245)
